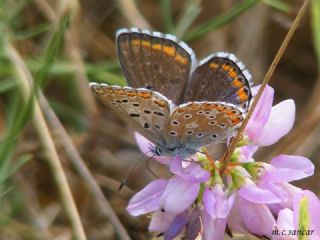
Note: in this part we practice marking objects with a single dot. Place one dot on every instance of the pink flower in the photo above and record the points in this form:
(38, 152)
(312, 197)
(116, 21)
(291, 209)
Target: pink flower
(256, 197)
(250, 217)
(268, 124)
(217, 205)
(168, 198)
(289, 221)
(269, 194)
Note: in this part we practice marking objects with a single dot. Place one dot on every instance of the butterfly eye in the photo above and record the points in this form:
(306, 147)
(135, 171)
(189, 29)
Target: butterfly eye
(157, 151)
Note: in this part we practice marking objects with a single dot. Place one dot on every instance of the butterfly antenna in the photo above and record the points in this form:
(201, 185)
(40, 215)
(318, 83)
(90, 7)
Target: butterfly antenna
(132, 170)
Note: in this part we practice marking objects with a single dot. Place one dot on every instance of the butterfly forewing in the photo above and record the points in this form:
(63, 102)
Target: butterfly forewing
(197, 124)
(220, 77)
(155, 61)
(147, 111)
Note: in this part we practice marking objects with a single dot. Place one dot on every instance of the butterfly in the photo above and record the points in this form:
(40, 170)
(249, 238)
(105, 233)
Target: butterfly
(173, 100)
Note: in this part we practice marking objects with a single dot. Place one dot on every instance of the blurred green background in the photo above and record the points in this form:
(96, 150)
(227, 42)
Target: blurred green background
(52, 127)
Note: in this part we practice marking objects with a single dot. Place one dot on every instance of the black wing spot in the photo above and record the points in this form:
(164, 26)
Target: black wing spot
(161, 114)
(175, 122)
(147, 111)
(212, 123)
(200, 134)
(173, 133)
(189, 132)
(134, 115)
(135, 104)
(146, 125)
(214, 136)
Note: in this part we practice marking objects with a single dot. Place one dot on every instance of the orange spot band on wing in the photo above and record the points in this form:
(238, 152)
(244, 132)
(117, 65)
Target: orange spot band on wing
(237, 83)
(243, 96)
(169, 50)
(131, 94)
(181, 59)
(236, 120)
(144, 94)
(226, 67)
(119, 91)
(232, 73)
(214, 66)
(160, 103)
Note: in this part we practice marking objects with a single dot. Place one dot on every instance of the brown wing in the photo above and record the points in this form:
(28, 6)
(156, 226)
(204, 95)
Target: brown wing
(155, 61)
(220, 77)
(145, 110)
(197, 124)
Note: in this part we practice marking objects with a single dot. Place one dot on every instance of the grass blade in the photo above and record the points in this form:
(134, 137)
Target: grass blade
(167, 16)
(192, 10)
(219, 20)
(315, 20)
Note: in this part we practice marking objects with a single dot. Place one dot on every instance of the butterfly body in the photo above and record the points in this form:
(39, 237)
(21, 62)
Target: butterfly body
(176, 103)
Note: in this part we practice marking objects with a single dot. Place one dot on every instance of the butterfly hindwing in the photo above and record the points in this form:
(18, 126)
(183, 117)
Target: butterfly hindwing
(220, 77)
(197, 124)
(155, 61)
(145, 110)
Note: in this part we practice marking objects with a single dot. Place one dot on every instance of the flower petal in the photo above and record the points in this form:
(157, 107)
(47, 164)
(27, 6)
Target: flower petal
(146, 147)
(176, 226)
(285, 219)
(313, 205)
(289, 168)
(161, 221)
(192, 173)
(213, 229)
(179, 195)
(260, 114)
(193, 229)
(148, 199)
(217, 203)
(257, 217)
(284, 225)
(280, 122)
(258, 195)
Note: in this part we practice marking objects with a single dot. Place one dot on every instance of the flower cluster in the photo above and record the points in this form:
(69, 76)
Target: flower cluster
(251, 197)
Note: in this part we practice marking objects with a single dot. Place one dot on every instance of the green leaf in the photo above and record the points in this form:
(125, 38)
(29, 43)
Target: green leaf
(220, 20)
